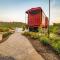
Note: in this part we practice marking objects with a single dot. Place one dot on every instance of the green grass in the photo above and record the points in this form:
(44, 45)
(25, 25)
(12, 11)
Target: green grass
(6, 34)
(55, 28)
(5, 26)
(44, 40)
(53, 41)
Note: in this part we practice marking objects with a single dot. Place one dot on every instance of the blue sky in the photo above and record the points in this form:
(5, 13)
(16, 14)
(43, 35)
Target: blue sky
(14, 10)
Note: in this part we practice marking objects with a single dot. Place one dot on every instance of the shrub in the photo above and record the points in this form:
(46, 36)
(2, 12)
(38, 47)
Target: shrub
(55, 43)
(34, 35)
(44, 40)
(4, 29)
(56, 47)
(23, 28)
(6, 34)
(26, 33)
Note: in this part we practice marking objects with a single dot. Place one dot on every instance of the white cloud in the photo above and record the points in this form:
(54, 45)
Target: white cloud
(55, 14)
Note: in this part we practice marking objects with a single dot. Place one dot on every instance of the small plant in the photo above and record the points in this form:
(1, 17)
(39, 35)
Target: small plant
(44, 40)
(6, 34)
(26, 33)
(55, 43)
(4, 29)
(34, 35)
(24, 28)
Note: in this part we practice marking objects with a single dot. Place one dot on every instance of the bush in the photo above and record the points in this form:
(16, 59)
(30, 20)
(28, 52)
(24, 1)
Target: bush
(55, 43)
(26, 33)
(34, 35)
(44, 40)
(6, 34)
(4, 29)
(56, 47)
(24, 28)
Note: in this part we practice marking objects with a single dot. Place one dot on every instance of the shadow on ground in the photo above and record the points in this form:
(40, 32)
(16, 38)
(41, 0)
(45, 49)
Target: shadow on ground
(6, 58)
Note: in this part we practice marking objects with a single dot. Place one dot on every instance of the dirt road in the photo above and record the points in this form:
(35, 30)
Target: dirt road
(19, 47)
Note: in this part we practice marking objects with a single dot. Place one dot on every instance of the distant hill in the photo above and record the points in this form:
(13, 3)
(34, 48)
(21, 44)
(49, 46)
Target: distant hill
(56, 24)
(11, 24)
(5, 26)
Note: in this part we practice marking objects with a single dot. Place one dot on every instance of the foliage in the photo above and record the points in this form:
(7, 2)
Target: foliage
(5, 26)
(23, 28)
(44, 39)
(55, 28)
(56, 46)
(4, 29)
(34, 35)
(6, 34)
(55, 43)
(40, 30)
(26, 33)
(11, 24)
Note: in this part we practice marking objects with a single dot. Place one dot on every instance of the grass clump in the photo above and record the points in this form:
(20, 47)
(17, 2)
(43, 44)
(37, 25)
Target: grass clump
(4, 29)
(44, 40)
(26, 33)
(6, 34)
(55, 43)
(34, 35)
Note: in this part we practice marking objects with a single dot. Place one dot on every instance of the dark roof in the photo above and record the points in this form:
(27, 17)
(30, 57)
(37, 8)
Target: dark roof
(33, 9)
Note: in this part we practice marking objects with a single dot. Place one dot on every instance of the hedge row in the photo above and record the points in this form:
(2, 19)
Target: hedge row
(53, 41)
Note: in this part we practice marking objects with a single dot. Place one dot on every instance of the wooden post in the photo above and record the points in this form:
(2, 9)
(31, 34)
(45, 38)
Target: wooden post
(49, 20)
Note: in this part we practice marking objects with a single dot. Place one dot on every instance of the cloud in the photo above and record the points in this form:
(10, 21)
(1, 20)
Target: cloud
(55, 14)
(15, 10)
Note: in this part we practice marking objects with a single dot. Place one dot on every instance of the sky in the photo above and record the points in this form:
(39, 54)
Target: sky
(14, 10)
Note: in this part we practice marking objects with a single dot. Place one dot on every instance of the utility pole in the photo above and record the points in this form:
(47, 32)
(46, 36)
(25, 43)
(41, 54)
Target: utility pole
(49, 20)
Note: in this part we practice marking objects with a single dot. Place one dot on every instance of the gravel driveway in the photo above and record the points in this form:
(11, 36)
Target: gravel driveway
(19, 47)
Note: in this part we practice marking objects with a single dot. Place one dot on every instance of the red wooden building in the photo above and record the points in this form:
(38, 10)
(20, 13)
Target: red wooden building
(36, 19)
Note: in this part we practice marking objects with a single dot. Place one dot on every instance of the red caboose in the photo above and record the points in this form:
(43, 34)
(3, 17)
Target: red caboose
(36, 19)
(46, 22)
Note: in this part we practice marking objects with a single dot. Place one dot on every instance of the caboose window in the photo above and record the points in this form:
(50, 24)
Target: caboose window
(35, 12)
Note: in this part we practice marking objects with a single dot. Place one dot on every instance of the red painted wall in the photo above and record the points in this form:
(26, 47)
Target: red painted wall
(36, 20)
(46, 22)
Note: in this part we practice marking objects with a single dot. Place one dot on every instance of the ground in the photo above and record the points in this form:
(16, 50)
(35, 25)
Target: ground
(45, 51)
(18, 47)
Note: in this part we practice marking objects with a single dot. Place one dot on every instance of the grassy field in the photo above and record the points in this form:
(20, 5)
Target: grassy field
(5, 26)
(53, 41)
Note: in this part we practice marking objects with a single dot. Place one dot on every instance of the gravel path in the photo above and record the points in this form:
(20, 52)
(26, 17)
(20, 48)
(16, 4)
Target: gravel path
(19, 47)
